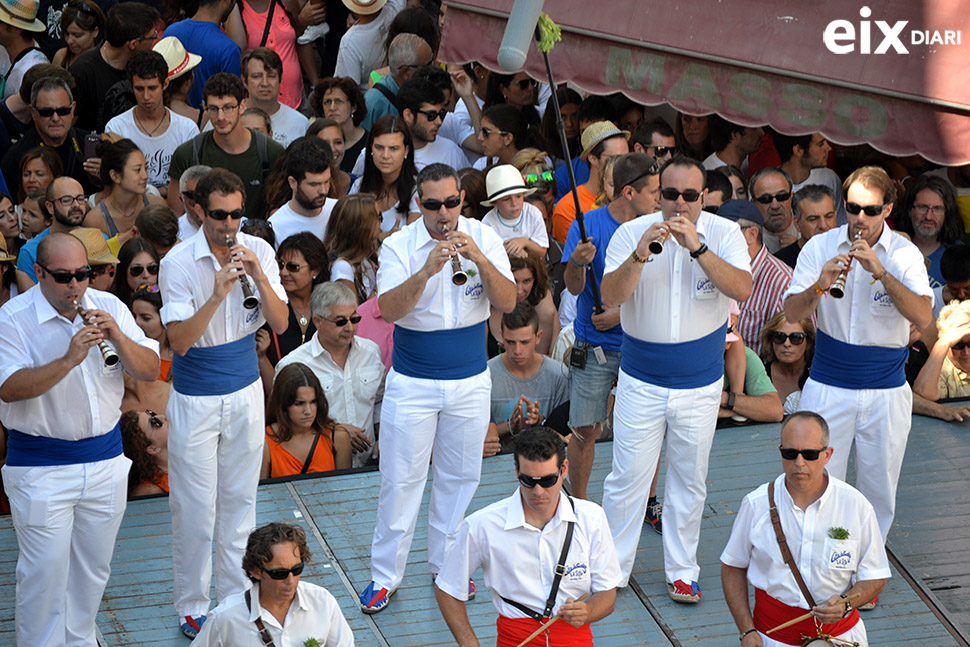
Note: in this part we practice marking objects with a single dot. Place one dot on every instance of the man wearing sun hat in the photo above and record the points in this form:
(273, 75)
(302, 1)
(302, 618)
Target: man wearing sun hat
(362, 47)
(18, 23)
(100, 258)
(202, 36)
(601, 141)
(518, 223)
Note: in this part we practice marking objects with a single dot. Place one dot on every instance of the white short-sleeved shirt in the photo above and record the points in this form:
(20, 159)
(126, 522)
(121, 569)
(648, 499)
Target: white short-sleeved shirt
(286, 222)
(443, 305)
(675, 301)
(186, 283)
(87, 402)
(362, 46)
(529, 225)
(828, 566)
(441, 151)
(519, 560)
(288, 124)
(314, 613)
(866, 315)
(158, 149)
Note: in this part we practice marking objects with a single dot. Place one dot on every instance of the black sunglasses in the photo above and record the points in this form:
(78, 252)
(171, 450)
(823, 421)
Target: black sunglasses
(153, 419)
(64, 277)
(488, 132)
(960, 345)
(790, 454)
(283, 573)
(135, 270)
(189, 194)
(98, 270)
(290, 266)
(871, 210)
(545, 482)
(431, 115)
(222, 214)
(767, 197)
(654, 169)
(342, 321)
(662, 151)
(435, 205)
(526, 83)
(796, 338)
(690, 195)
(47, 113)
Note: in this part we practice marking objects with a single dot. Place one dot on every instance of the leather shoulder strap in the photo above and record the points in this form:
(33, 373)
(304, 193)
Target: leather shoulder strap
(783, 545)
(264, 636)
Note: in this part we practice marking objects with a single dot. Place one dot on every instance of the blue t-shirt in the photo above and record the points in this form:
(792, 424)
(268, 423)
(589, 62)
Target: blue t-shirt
(936, 276)
(219, 53)
(580, 168)
(600, 227)
(27, 255)
(377, 104)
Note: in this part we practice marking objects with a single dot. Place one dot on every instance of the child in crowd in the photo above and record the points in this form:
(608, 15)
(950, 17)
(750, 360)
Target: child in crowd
(517, 223)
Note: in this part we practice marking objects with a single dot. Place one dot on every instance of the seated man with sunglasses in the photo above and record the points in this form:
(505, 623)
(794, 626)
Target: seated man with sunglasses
(520, 535)
(65, 473)
(771, 191)
(832, 532)
(858, 377)
(215, 411)
(674, 314)
(279, 610)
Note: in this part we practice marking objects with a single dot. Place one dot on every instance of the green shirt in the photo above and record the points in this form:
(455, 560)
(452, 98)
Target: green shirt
(756, 380)
(246, 165)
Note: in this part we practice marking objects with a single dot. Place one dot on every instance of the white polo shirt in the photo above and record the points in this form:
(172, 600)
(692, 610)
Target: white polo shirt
(828, 566)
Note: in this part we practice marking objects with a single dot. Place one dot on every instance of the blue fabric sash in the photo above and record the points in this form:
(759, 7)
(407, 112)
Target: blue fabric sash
(440, 354)
(216, 370)
(686, 365)
(850, 366)
(25, 450)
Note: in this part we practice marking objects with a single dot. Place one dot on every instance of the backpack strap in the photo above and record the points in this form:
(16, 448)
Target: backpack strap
(380, 87)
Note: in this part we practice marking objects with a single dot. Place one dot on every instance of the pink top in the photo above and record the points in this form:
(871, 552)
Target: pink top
(377, 330)
(282, 40)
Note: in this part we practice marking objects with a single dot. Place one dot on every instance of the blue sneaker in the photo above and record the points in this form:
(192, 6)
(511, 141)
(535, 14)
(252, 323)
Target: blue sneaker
(681, 591)
(471, 589)
(373, 600)
(192, 626)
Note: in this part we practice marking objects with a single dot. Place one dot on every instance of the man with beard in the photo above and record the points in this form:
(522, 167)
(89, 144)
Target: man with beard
(65, 199)
(229, 145)
(771, 191)
(929, 213)
(423, 108)
(308, 174)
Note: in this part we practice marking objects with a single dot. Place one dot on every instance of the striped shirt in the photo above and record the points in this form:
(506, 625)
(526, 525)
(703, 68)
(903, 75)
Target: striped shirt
(771, 278)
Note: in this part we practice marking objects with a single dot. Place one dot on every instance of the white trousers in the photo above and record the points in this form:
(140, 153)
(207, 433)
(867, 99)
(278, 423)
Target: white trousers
(66, 518)
(642, 415)
(878, 422)
(420, 417)
(856, 634)
(215, 447)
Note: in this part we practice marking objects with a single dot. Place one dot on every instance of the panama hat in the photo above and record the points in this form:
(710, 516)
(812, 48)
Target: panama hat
(96, 246)
(597, 132)
(21, 13)
(504, 180)
(364, 7)
(4, 255)
(179, 61)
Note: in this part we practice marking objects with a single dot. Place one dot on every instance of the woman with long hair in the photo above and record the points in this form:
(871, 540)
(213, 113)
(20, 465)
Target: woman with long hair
(517, 90)
(38, 168)
(8, 273)
(300, 436)
(124, 173)
(569, 101)
(693, 136)
(9, 224)
(137, 265)
(532, 285)
(389, 172)
(82, 23)
(503, 134)
(473, 184)
(340, 99)
(787, 350)
(352, 236)
(146, 306)
(144, 438)
(329, 131)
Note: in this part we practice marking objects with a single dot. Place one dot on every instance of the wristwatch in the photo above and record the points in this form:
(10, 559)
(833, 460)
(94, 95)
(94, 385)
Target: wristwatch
(730, 401)
(848, 606)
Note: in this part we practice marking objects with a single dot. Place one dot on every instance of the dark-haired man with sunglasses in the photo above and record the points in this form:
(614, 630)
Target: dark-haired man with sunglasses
(215, 411)
(858, 373)
(423, 109)
(674, 316)
(513, 541)
(831, 530)
(279, 609)
(65, 473)
(437, 393)
(771, 191)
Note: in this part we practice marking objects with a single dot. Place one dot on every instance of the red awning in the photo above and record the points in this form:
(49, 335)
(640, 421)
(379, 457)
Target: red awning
(759, 62)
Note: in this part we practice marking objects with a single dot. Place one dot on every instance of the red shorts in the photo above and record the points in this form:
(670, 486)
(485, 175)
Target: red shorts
(512, 631)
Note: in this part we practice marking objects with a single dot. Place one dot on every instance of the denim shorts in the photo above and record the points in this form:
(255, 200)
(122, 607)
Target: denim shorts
(589, 388)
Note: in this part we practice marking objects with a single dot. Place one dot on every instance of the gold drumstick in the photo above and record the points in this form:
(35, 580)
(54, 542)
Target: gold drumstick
(548, 623)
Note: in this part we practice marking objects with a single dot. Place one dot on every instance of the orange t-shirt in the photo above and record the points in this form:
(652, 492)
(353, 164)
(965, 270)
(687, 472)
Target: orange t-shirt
(283, 463)
(565, 212)
(161, 480)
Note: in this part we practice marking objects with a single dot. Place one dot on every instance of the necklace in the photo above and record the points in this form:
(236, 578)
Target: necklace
(515, 226)
(145, 128)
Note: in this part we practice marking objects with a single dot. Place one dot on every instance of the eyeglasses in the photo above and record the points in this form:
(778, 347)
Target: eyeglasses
(767, 198)
(283, 573)
(135, 270)
(189, 194)
(923, 209)
(64, 277)
(654, 169)
(960, 345)
(68, 200)
(435, 205)
(154, 36)
(526, 83)
(870, 210)
(796, 338)
(153, 419)
(47, 113)
(222, 214)
(432, 115)
(690, 195)
(334, 101)
(98, 270)
(291, 267)
(488, 132)
(215, 110)
(532, 178)
(790, 454)
(342, 321)
(662, 151)
(545, 482)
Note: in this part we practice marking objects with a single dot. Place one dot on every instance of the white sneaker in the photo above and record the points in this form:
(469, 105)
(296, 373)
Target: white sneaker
(313, 32)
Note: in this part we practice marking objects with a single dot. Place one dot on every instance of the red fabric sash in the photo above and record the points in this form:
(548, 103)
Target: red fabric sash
(512, 631)
(769, 613)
